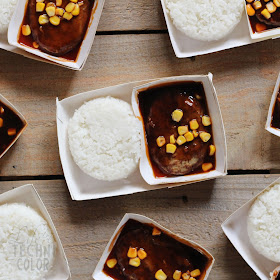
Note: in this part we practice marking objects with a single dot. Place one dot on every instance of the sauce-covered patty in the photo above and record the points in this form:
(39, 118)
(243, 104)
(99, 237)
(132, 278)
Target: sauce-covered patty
(275, 122)
(143, 252)
(10, 126)
(178, 128)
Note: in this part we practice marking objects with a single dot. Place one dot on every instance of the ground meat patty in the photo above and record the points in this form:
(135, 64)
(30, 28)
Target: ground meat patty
(58, 40)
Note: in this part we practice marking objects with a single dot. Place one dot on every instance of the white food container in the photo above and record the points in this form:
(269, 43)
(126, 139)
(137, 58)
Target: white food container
(28, 195)
(268, 127)
(217, 130)
(11, 106)
(235, 228)
(15, 29)
(98, 273)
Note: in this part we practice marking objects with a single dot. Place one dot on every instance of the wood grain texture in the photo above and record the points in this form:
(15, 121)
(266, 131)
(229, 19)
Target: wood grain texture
(244, 78)
(195, 212)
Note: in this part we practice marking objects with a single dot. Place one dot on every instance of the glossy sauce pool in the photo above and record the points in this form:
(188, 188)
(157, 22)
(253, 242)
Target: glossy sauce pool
(275, 121)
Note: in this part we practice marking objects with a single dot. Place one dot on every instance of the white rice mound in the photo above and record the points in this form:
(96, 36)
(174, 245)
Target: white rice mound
(205, 20)
(27, 246)
(7, 8)
(104, 138)
(264, 223)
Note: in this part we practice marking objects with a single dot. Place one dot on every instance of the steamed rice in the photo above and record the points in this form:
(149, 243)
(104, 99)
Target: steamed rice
(27, 245)
(7, 8)
(104, 138)
(264, 223)
(205, 20)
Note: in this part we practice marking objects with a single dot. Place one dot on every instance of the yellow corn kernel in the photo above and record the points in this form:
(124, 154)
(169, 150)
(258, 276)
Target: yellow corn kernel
(181, 140)
(111, 263)
(135, 262)
(1, 110)
(12, 131)
(1, 122)
(40, 7)
(249, 1)
(206, 120)
(186, 276)
(51, 4)
(177, 275)
(276, 3)
(205, 136)
(58, 3)
(35, 45)
(156, 231)
(183, 129)
(76, 10)
(189, 136)
(257, 5)
(172, 139)
(171, 148)
(74, 1)
(160, 141)
(194, 124)
(207, 166)
(177, 115)
(43, 19)
(212, 150)
(70, 7)
(55, 20)
(141, 254)
(250, 10)
(160, 275)
(195, 273)
(59, 12)
(266, 13)
(50, 11)
(132, 252)
(26, 31)
(67, 15)
(271, 7)
(192, 278)
(195, 133)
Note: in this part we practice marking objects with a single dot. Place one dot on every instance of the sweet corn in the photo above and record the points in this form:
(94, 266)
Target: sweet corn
(135, 262)
(1, 122)
(35, 45)
(171, 148)
(1, 110)
(206, 121)
(67, 15)
(141, 254)
(260, 27)
(156, 231)
(266, 13)
(50, 11)
(177, 275)
(276, 3)
(172, 139)
(59, 12)
(160, 275)
(195, 133)
(177, 115)
(195, 273)
(111, 263)
(43, 19)
(205, 136)
(76, 10)
(132, 252)
(249, 1)
(271, 7)
(183, 129)
(160, 141)
(250, 10)
(194, 124)
(51, 4)
(70, 7)
(181, 140)
(58, 3)
(40, 7)
(212, 150)
(257, 5)
(55, 20)
(12, 131)
(26, 31)
(74, 1)
(186, 276)
(207, 166)
(189, 136)
(192, 278)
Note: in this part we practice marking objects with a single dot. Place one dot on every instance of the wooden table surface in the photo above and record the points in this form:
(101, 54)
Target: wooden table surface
(132, 43)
